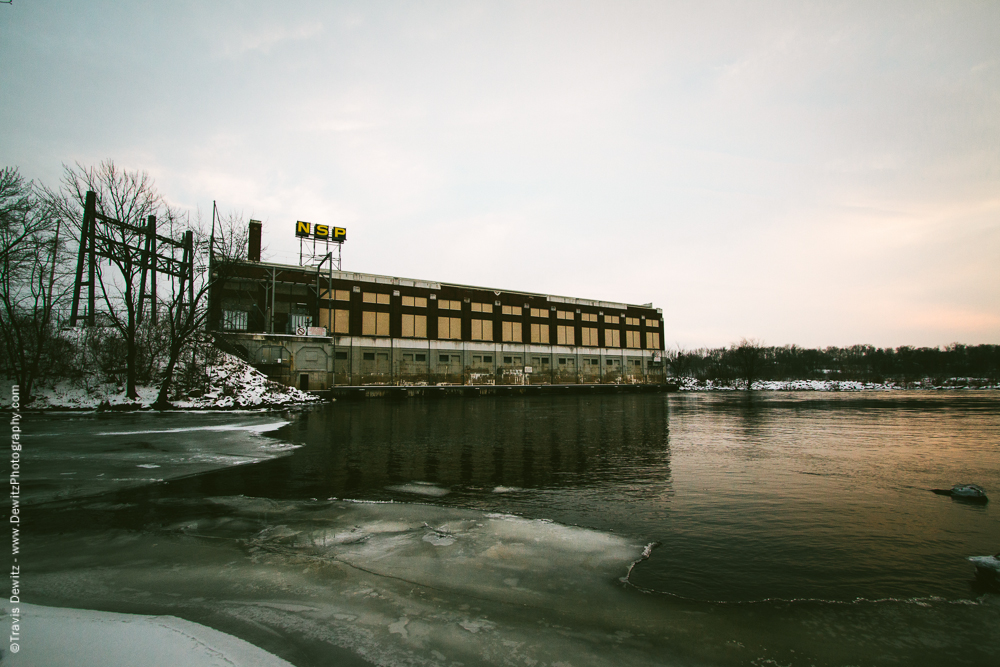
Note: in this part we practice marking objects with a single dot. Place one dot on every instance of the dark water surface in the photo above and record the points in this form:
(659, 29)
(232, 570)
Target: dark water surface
(791, 528)
(750, 497)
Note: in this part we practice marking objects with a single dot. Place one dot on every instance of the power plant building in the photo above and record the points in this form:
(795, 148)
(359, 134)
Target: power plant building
(316, 328)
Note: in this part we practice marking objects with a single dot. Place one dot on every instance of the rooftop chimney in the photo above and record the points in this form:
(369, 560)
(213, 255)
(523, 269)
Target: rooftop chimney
(254, 254)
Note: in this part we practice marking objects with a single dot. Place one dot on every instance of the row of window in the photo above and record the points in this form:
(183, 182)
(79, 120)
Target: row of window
(542, 362)
(450, 328)
(447, 304)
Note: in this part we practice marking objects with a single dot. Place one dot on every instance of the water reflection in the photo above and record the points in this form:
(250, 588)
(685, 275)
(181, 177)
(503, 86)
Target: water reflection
(358, 449)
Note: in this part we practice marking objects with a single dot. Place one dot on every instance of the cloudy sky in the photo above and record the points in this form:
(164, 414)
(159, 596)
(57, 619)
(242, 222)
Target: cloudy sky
(812, 173)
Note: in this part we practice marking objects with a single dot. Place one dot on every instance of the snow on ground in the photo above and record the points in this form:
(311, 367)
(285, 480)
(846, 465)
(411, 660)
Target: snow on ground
(231, 383)
(693, 384)
(58, 637)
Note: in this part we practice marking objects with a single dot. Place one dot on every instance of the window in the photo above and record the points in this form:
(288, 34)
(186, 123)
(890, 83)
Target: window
(539, 333)
(512, 310)
(415, 301)
(511, 332)
(564, 335)
(445, 304)
(372, 297)
(414, 326)
(595, 362)
(588, 336)
(368, 356)
(450, 328)
(652, 323)
(234, 320)
(374, 324)
(407, 357)
(562, 361)
(652, 340)
(633, 339)
(482, 307)
(611, 319)
(508, 360)
(612, 338)
(632, 321)
(539, 312)
(487, 358)
(589, 317)
(564, 314)
(341, 319)
(339, 295)
(482, 329)
(420, 357)
(340, 355)
(443, 358)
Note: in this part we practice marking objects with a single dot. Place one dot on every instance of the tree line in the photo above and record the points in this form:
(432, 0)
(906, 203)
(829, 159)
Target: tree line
(136, 340)
(749, 360)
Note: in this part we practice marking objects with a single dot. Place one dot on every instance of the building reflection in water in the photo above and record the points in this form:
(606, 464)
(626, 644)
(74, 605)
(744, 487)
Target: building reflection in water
(360, 448)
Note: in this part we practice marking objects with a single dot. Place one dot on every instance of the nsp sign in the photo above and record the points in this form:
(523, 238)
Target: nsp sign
(325, 232)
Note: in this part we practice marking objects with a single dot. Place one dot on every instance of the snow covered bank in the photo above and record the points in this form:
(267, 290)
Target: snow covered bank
(228, 383)
(693, 384)
(58, 637)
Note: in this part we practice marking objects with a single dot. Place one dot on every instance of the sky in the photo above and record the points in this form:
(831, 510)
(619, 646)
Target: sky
(800, 173)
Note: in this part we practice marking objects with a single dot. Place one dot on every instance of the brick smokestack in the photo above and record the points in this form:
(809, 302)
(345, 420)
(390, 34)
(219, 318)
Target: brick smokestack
(254, 254)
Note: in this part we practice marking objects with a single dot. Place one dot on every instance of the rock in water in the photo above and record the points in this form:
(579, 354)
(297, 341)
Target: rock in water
(971, 492)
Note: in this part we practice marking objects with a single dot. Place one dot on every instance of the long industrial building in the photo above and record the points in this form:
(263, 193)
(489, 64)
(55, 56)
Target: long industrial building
(317, 328)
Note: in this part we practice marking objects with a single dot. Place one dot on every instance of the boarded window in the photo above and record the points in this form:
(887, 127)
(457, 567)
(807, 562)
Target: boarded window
(633, 339)
(445, 304)
(611, 319)
(588, 336)
(512, 310)
(338, 294)
(414, 326)
(589, 317)
(632, 321)
(372, 297)
(511, 332)
(539, 333)
(450, 328)
(564, 336)
(612, 338)
(415, 301)
(482, 330)
(341, 320)
(652, 340)
(564, 314)
(482, 307)
(539, 312)
(374, 324)
(652, 323)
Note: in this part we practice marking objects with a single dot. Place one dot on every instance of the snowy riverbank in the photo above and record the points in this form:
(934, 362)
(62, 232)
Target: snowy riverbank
(693, 384)
(230, 383)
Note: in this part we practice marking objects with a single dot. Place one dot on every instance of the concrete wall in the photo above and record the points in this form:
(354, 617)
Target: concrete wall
(319, 363)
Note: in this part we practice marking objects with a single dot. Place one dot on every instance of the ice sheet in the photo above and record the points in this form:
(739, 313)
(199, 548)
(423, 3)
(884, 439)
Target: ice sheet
(57, 637)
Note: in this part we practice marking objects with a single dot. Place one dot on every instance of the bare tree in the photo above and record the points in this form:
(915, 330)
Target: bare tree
(31, 280)
(747, 359)
(188, 310)
(129, 197)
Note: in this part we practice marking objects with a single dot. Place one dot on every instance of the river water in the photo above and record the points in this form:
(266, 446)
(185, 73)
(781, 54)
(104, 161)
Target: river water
(696, 528)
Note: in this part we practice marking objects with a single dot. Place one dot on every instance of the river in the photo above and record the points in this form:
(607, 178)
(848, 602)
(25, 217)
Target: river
(694, 528)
